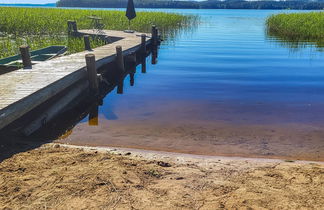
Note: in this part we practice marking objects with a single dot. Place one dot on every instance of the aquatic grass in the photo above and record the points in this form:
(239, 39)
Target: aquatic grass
(297, 28)
(19, 21)
(41, 27)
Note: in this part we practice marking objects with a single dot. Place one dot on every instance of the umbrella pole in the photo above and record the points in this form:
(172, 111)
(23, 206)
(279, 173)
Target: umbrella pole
(129, 24)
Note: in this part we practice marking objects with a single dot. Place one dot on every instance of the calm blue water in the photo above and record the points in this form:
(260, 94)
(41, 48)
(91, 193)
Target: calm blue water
(222, 88)
(226, 68)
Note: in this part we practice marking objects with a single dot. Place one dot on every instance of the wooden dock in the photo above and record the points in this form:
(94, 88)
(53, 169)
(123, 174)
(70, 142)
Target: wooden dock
(23, 90)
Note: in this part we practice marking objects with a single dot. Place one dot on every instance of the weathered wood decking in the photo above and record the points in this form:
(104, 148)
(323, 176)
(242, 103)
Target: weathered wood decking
(24, 89)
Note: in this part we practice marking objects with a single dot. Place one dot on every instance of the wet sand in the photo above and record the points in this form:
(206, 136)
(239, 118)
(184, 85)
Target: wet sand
(90, 178)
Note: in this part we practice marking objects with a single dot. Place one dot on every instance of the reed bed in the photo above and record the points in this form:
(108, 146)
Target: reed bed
(41, 27)
(297, 27)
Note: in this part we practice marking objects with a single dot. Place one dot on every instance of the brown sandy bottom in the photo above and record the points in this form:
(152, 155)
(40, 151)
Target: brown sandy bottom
(284, 141)
(56, 177)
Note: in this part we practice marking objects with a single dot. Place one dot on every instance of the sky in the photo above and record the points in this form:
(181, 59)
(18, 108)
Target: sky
(26, 1)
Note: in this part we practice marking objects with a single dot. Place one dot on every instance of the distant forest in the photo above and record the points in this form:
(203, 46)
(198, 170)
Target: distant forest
(209, 4)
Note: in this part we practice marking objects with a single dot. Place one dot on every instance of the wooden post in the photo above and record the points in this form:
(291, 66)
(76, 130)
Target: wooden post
(121, 69)
(72, 27)
(143, 44)
(25, 56)
(87, 45)
(154, 36)
(92, 73)
(120, 59)
(156, 33)
(143, 52)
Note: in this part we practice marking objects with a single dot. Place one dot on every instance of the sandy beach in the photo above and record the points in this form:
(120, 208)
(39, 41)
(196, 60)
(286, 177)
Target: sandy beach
(55, 176)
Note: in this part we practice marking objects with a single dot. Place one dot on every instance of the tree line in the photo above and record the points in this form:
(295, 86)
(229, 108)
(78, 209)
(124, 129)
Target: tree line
(209, 4)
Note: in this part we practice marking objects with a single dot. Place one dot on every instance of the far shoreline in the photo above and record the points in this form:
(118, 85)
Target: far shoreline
(53, 5)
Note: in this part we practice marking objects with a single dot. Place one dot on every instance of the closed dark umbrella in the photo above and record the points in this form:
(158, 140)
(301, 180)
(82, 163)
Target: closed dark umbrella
(130, 12)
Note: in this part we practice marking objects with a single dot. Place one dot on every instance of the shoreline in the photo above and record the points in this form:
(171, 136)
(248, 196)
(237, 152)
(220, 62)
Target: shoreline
(284, 141)
(178, 157)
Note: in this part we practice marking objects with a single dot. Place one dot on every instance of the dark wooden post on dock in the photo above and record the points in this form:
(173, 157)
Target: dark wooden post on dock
(154, 35)
(121, 69)
(25, 56)
(143, 44)
(157, 37)
(87, 45)
(92, 73)
(72, 27)
(143, 52)
(120, 59)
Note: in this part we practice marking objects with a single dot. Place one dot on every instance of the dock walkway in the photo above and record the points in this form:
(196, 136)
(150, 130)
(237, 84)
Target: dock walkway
(24, 89)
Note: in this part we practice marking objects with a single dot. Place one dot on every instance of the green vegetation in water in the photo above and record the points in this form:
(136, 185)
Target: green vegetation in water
(296, 29)
(42, 27)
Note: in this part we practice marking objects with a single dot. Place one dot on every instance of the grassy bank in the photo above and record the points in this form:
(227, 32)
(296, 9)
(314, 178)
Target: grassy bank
(297, 27)
(40, 27)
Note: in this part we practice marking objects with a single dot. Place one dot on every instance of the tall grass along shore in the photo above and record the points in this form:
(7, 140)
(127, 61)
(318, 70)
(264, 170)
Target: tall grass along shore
(297, 27)
(41, 27)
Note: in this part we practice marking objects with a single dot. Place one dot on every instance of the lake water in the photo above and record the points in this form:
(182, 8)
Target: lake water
(221, 88)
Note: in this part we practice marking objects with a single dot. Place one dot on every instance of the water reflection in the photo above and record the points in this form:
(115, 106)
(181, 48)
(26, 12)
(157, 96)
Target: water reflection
(92, 110)
(154, 56)
(93, 115)
(295, 45)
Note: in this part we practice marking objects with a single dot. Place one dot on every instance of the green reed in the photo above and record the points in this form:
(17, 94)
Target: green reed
(42, 27)
(297, 27)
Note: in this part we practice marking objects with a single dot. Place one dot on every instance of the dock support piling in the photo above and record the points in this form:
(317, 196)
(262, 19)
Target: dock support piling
(120, 59)
(121, 69)
(72, 27)
(143, 44)
(87, 45)
(92, 73)
(155, 36)
(143, 52)
(25, 56)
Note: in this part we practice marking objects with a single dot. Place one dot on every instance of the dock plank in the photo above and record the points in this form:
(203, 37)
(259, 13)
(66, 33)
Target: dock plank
(24, 89)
